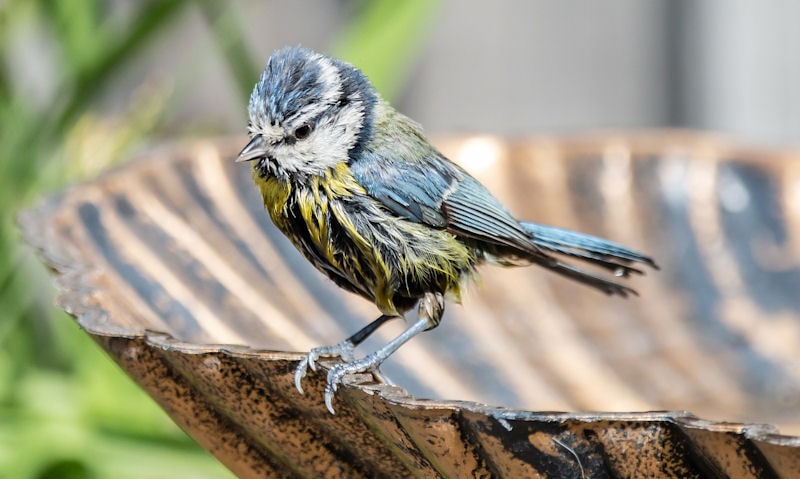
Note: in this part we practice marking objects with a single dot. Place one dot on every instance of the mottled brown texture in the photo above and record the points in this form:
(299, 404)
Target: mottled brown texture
(173, 267)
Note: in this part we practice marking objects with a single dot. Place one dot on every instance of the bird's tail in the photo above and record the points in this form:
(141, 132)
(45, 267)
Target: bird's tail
(606, 254)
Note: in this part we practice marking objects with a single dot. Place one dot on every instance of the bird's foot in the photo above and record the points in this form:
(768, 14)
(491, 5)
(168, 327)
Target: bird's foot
(344, 350)
(430, 313)
(368, 363)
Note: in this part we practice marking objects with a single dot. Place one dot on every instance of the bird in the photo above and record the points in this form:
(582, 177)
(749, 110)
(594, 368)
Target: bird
(365, 197)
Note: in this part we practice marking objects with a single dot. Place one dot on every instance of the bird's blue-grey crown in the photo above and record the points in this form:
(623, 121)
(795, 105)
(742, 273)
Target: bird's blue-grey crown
(308, 112)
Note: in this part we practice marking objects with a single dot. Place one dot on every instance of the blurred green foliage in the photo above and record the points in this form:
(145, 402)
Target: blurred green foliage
(66, 411)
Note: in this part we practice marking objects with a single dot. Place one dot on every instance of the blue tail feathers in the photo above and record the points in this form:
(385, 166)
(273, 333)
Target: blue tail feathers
(603, 253)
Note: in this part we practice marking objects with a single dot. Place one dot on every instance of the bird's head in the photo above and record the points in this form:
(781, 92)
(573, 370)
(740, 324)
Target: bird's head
(308, 113)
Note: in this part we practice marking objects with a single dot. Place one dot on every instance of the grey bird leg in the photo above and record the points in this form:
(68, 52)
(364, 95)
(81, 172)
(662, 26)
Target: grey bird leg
(344, 350)
(431, 308)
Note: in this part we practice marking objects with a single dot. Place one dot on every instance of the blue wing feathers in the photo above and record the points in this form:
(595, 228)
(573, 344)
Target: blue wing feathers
(436, 192)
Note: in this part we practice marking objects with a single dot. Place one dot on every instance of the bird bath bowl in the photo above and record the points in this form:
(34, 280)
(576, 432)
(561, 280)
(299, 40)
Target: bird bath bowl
(172, 266)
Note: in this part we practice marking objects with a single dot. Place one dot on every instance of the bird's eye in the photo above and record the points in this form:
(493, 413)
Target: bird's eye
(302, 131)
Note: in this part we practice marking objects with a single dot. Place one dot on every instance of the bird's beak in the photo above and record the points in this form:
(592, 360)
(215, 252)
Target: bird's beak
(254, 150)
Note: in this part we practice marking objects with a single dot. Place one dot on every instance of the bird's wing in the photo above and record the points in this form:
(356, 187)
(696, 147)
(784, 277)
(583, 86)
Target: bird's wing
(436, 192)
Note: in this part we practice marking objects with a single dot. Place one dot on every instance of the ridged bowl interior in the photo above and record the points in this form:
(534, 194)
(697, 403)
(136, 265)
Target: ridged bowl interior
(175, 253)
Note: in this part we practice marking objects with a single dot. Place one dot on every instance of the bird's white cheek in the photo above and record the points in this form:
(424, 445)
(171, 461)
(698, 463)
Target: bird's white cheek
(327, 146)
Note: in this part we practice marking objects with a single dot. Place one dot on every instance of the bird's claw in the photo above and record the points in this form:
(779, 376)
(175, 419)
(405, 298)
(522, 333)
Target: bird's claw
(330, 390)
(300, 373)
(339, 371)
(344, 350)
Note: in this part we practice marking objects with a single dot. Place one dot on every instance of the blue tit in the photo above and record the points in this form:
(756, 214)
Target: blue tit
(364, 196)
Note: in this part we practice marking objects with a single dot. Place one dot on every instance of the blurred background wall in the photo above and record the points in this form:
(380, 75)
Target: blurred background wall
(505, 67)
(510, 66)
(84, 85)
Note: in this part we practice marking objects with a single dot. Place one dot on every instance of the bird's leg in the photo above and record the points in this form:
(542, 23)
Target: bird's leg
(344, 350)
(431, 309)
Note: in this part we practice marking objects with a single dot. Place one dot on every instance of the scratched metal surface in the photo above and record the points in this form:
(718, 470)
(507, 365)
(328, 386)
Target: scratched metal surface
(171, 264)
